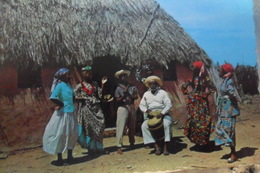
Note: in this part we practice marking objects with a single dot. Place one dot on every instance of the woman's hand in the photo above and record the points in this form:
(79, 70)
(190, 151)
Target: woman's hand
(148, 111)
(58, 104)
(57, 107)
(159, 116)
(104, 80)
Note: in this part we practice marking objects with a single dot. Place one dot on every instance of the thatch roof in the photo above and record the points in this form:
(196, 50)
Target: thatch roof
(76, 31)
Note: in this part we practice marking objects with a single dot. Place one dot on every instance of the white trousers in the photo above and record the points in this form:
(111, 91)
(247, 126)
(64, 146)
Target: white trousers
(126, 116)
(167, 123)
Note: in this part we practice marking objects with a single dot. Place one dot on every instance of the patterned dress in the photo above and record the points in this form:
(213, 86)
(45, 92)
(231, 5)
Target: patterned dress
(91, 121)
(198, 124)
(227, 111)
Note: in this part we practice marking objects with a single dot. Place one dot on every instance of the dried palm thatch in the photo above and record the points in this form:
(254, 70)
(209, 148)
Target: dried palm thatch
(76, 31)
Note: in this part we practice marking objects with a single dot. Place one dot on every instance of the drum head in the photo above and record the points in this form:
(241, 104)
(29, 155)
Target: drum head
(154, 122)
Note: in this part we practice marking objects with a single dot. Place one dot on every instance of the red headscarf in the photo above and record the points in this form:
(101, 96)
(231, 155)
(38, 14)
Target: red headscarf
(198, 64)
(227, 68)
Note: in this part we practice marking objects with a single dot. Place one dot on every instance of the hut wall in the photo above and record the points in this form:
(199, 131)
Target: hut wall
(47, 74)
(24, 113)
(178, 111)
(8, 81)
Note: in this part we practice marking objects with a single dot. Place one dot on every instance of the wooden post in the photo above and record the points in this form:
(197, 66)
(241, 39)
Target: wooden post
(257, 35)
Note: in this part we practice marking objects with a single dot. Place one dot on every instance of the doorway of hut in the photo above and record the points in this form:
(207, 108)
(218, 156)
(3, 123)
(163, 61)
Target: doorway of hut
(107, 66)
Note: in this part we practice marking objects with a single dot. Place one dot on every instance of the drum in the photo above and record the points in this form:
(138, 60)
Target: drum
(107, 98)
(156, 128)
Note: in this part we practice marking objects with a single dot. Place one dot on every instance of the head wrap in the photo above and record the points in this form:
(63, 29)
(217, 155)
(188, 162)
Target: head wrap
(57, 76)
(227, 68)
(198, 64)
(87, 68)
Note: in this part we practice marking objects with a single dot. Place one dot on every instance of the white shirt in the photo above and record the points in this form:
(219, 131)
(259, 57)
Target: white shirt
(159, 100)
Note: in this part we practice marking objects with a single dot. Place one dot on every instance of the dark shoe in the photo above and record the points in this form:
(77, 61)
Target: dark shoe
(57, 163)
(132, 145)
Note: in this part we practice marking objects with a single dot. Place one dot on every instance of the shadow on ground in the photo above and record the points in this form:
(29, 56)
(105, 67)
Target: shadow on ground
(124, 148)
(242, 153)
(210, 147)
(76, 160)
(177, 145)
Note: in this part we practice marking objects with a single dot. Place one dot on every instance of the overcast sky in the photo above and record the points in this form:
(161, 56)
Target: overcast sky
(222, 28)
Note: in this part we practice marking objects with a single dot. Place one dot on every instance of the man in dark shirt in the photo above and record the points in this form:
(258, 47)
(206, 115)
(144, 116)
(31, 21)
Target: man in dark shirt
(125, 95)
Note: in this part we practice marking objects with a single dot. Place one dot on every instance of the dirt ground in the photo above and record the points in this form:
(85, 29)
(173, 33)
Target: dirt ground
(183, 158)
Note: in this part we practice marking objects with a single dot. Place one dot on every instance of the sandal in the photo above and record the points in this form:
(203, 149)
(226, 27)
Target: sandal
(158, 152)
(230, 160)
(175, 122)
(119, 151)
(166, 153)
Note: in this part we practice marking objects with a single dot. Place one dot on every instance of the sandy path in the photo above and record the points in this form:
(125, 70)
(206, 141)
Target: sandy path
(139, 159)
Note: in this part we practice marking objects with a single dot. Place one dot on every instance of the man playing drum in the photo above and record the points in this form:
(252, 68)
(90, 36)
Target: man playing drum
(157, 126)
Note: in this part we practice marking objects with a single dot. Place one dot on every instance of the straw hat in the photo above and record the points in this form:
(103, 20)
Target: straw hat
(153, 78)
(120, 72)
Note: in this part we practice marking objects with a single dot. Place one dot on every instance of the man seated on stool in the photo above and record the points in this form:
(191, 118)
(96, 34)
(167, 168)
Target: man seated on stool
(154, 100)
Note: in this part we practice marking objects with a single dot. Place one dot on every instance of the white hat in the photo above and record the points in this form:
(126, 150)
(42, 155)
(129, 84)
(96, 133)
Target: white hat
(120, 72)
(153, 78)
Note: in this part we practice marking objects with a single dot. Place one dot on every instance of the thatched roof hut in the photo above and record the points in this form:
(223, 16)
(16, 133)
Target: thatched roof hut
(76, 31)
(39, 36)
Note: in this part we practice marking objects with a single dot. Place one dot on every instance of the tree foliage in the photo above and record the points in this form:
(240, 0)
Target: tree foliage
(247, 78)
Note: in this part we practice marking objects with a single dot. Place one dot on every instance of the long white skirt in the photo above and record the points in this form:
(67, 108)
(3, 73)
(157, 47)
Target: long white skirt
(61, 133)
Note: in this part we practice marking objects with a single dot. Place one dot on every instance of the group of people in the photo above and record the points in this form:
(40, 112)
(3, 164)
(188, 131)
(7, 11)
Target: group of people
(85, 124)
(68, 124)
(199, 123)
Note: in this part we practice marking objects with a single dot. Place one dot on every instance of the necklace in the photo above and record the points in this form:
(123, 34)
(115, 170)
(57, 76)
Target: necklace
(89, 90)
